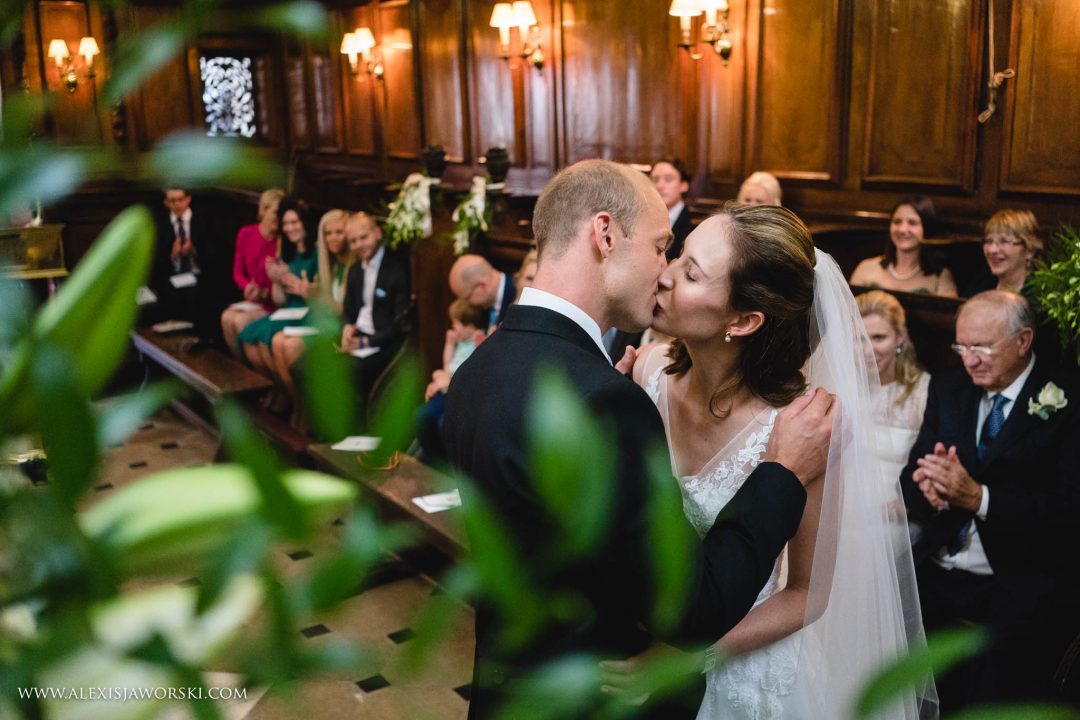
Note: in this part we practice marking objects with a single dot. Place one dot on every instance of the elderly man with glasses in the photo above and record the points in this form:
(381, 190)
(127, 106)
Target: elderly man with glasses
(994, 499)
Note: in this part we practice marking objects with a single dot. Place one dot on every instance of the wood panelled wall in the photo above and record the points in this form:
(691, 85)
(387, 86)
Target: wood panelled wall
(850, 102)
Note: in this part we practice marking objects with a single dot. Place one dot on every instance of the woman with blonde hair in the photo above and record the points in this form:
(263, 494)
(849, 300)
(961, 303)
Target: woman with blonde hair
(760, 188)
(334, 258)
(1010, 244)
(900, 401)
(254, 244)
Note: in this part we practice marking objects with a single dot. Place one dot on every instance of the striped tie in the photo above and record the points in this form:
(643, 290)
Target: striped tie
(991, 427)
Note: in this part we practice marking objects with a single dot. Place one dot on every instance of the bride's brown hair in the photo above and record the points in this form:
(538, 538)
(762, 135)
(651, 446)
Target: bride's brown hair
(771, 271)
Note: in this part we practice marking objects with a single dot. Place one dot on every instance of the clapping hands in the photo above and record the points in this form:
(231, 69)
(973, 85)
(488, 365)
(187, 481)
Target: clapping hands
(945, 482)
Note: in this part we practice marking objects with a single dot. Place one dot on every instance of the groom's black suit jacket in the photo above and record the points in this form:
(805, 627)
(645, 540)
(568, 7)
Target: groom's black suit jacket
(485, 433)
(1030, 469)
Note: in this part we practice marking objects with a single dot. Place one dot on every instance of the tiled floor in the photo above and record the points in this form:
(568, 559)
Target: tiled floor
(379, 615)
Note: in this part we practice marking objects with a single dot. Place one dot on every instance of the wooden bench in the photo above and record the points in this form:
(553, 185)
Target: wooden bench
(393, 491)
(214, 375)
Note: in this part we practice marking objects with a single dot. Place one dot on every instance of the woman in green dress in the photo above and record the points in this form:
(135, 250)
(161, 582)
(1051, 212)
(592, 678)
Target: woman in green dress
(294, 276)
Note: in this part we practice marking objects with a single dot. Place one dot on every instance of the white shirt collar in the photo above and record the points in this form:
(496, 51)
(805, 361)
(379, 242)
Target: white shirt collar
(185, 216)
(1013, 391)
(376, 260)
(674, 213)
(539, 298)
(499, 295)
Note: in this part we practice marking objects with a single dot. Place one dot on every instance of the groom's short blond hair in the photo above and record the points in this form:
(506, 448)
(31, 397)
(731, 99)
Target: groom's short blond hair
(581, 191)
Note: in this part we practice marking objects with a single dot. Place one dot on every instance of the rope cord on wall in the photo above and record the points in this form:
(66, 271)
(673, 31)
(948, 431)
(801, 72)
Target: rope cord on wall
(997, 79)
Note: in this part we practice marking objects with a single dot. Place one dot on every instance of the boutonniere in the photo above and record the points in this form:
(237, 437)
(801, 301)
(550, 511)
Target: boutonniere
(1051, 399)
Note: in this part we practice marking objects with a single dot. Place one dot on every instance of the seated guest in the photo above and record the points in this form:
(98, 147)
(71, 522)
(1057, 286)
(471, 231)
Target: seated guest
(334, 259)
(255, 244)
(992, 484)
(188, 272)
(293, 276)
(474, 279)
(901, 398)
(905, 266)
(525, 275)
(671, 179)
(464, 335)
(1010, 244)
(377, 299)
(760, 188)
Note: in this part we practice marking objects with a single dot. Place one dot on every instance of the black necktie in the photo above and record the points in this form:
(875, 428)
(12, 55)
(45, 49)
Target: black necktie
(991, 427)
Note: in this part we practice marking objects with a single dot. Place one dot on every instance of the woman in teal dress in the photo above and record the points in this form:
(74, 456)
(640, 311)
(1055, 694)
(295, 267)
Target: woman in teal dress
(294, 275)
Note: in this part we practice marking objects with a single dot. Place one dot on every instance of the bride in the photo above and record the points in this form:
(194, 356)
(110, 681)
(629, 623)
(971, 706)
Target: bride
(759, 314)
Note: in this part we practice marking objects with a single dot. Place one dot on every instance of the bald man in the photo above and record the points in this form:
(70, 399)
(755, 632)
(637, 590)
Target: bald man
(474, 279)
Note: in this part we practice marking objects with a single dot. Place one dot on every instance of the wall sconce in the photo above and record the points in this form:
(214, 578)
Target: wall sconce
(359, 45)
(520, 14)
(58, 51)
(714, 29)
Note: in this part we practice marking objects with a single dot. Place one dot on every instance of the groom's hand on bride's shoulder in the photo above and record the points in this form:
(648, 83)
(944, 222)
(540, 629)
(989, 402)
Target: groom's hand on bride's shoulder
(800, 437)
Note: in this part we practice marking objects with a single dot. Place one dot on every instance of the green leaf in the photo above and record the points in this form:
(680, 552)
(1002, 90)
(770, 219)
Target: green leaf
(243, 554)
(559, 689)
(329, 393)
(123, 415)
(68, 430)
(141, 56)
(1018, 712)
(38, 174)
(395, 412)
(670, 541)
(89, 318)
(190, 158)
(573, 464)
(251, 450)
(943, 650)
(304, 18)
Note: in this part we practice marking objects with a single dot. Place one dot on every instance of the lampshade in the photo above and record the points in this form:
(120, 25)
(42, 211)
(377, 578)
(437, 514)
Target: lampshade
(348, 44)
(685, 8)
(364, 39)
(502, 16)
(523, 14)
(58, 50)
(714, 5)
(88, 47)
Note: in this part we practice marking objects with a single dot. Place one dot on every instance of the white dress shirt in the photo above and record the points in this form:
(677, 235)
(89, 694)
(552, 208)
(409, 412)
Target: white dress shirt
(674, 213)
(539, 298)
(497, 306)
(364, 321)
(973, 557)
(185, 219)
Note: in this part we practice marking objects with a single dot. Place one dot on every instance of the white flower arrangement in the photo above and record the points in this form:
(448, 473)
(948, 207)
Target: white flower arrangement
(470, 215)
(1051, 399)
(410, 213)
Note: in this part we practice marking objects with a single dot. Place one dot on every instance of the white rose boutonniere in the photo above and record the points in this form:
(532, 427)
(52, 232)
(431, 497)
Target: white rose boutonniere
(1051, 399)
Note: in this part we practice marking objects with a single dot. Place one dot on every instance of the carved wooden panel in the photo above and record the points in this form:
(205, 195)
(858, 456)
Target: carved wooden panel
(296, 97)
(921, 122)
(1042, 152)
(359, 93)
(324, 108)
(442, 77)
(492, 86)
(800, 89)
(164, 103)
(74, 114)
(401, 126)
(719, 113)
(621, 80)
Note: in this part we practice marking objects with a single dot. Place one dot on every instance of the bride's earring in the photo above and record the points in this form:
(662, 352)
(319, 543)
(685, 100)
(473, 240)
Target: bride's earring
(899, 349)
(727, 336)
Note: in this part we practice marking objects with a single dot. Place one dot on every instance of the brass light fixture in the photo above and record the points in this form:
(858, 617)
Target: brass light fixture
(58, 51)
(359, 46)
(714, 29)
(520, 15)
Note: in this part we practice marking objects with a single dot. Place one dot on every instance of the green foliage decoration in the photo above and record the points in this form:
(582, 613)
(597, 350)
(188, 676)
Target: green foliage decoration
(1056, 286)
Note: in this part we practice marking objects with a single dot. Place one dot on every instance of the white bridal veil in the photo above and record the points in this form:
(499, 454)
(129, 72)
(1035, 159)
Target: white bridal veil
(863, 606)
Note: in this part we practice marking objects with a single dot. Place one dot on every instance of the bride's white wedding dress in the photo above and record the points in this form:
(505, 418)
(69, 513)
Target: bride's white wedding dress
(761, 684)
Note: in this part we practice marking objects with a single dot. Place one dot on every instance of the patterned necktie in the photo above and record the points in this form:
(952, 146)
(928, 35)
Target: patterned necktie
(991, 427)
(185, 261)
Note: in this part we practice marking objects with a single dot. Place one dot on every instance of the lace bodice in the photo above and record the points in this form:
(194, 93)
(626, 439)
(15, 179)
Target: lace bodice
(757, 685)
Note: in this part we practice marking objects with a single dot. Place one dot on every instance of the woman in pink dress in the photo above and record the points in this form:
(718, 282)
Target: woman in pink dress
(254, 245)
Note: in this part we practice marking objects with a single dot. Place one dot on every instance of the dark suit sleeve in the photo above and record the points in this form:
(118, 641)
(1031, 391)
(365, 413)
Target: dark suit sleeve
(728, 569)
(397, 288)
(918, 506)
(354, 294)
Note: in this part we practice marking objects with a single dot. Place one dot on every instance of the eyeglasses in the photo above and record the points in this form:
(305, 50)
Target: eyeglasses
(1001, 242)
(983, 350)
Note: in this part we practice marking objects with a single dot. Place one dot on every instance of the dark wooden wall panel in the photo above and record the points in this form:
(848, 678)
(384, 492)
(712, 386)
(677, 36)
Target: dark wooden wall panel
(720, 117)
(164, 102)
(921, 120)
(622, 86)
(441, 70)
(1042, 148)
(325, 110)
(800, 96)
(402, 119)
(74, 114)
(359, 94)
(297, 97)
(492, 107)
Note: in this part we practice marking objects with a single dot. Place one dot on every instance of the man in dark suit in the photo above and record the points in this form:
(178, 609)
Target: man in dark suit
(993, 495)
(189, 275)
(602, 231)
(474, 279)
(671, 179)
(377, 300)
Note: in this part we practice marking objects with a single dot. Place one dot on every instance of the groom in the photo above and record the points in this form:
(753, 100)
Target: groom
(602, 231)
